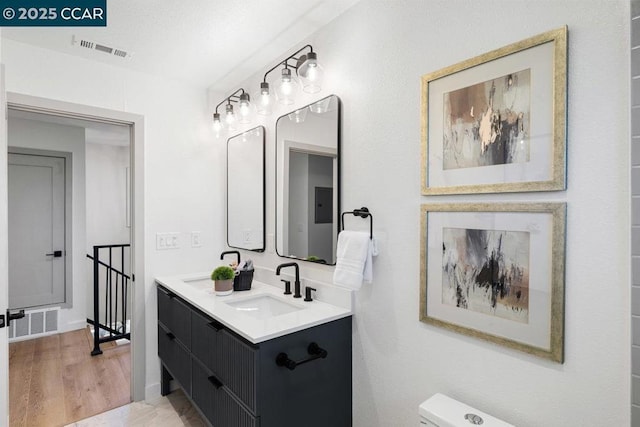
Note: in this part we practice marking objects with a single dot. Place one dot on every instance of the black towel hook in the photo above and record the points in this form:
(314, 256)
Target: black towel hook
(363, 212)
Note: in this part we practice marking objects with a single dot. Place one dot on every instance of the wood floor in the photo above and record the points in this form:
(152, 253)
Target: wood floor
(54, 381)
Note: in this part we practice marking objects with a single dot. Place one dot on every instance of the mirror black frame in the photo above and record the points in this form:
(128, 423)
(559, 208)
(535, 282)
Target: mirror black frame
(339, 176)
(264, 190)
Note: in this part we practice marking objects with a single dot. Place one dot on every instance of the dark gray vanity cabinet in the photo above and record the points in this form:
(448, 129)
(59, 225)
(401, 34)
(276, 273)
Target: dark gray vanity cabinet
(174, 338)
(235, 383)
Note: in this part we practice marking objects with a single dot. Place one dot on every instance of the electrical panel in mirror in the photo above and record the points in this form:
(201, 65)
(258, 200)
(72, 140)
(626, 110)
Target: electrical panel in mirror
(245, 190)
(308, 182)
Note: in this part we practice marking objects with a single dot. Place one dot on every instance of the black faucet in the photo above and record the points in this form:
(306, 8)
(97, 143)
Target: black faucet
(230, 252)
(297, 282)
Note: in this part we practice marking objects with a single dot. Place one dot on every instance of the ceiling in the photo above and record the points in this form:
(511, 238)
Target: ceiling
(215, 44)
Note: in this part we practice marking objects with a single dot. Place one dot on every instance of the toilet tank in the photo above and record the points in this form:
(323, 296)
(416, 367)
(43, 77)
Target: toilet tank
(442, 411)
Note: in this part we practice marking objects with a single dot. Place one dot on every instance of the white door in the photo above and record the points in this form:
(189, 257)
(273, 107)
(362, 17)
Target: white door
(36, 230)
(4, 261)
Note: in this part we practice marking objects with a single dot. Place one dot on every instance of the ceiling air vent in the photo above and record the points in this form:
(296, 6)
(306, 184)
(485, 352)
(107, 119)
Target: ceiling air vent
(105, 49)
(87, 44)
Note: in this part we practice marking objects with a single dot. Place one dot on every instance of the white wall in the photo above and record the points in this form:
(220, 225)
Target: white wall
(374, 56)
(184, 168)
(106, 194)
(49, 136)
(106, 209)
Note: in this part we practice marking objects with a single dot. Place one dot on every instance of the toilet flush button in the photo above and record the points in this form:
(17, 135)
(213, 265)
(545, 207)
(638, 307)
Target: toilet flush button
(474, 419)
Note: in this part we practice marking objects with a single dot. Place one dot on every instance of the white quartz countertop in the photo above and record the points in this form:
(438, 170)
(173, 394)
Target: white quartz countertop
(197, 289)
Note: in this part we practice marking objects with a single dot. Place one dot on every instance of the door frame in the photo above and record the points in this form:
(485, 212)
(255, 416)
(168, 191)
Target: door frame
(17, 101)
(68, 220)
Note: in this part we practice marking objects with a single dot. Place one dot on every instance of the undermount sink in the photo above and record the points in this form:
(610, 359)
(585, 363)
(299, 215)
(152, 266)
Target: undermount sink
(262, 306)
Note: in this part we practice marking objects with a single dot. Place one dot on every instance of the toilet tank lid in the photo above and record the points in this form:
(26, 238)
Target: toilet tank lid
(447, 412)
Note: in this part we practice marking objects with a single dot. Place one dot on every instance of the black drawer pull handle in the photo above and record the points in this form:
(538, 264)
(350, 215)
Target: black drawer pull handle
(168, 293)
(314, 350)
(215, 326)
(215, 381)
(171, 336)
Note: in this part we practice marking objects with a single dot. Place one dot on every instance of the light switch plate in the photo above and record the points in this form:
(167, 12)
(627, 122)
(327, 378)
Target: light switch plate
(196, 239)
(167, 240)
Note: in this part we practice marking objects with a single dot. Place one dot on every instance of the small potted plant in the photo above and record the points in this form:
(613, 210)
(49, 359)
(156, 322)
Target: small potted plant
(223, 278)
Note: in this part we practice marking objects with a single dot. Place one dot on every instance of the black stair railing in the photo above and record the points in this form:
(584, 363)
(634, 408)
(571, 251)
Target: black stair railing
(116, 294)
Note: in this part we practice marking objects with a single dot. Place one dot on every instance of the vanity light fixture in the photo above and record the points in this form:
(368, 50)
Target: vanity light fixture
(241, 97)
(309, 75)
(307, 68)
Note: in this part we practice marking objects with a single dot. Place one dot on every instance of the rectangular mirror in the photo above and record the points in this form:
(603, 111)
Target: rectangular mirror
(308, 182)
(245, 190)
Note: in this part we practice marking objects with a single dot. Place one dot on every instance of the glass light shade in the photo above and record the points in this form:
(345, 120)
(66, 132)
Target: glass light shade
(230, 117)
(217, 124)
(311, 73)
(244, 109)
(263, 100)
(287, 87)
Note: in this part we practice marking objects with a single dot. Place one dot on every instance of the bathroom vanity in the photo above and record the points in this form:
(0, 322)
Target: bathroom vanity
(255, 358)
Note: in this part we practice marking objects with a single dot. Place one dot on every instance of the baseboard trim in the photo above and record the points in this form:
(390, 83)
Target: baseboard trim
(152, 391)
(75, 325)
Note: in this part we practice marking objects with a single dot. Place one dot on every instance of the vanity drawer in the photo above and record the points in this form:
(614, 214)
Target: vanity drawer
(175, 358)
(203, 391)
(215, 402)
(175, 316)
(237, 367)
(204, 338)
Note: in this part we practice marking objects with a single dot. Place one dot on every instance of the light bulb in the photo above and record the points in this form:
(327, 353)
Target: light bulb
(217, 124)
(230, 117)
(264, 100)
(287, 87)
(244, 108)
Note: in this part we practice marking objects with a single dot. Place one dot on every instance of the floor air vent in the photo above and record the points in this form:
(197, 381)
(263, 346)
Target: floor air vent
(34, 324)
(88, 44)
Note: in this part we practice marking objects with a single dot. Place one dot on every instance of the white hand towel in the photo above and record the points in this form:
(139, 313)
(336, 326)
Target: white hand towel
(368, 265)
(353, 254)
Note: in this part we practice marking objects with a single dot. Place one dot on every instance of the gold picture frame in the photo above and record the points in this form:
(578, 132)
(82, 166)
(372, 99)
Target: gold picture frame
(495, 271)
(497, 122)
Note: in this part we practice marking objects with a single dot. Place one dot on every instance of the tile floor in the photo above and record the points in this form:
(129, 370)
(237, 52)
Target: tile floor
(173, 410)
